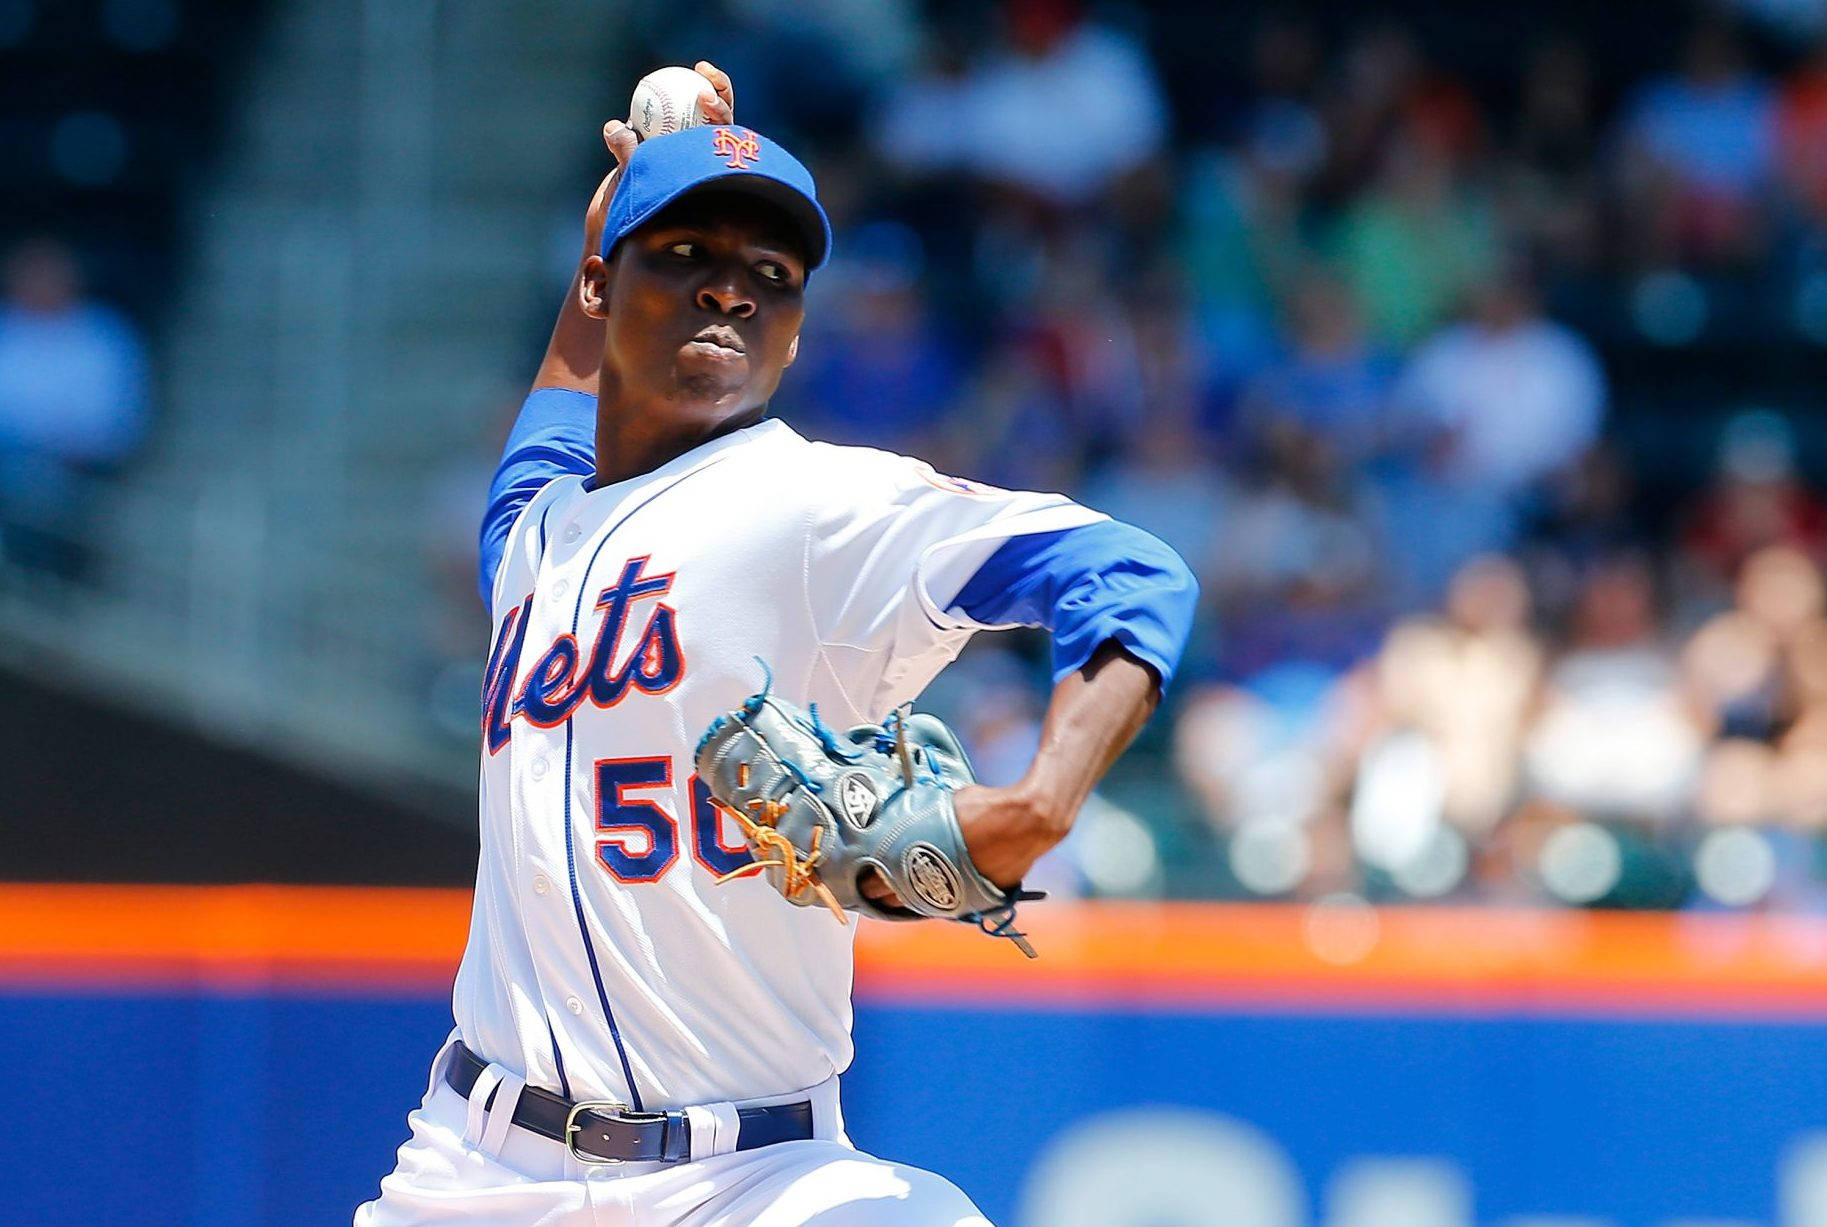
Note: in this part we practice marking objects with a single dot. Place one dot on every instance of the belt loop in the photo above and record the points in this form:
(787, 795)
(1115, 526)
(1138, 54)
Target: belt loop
(714, 1129)
(827, 1111)
(441, 1064)
(486, 1082)
(501, 1112)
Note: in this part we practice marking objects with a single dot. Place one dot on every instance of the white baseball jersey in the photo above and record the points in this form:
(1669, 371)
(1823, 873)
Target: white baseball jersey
(604, 960)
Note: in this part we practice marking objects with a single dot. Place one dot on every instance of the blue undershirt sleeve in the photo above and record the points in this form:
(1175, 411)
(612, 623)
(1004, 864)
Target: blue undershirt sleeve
(1107, 580)
(555, 435)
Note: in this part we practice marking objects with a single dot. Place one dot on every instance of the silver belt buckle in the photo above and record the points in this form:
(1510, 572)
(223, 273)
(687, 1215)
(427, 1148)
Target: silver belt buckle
(572, 1128)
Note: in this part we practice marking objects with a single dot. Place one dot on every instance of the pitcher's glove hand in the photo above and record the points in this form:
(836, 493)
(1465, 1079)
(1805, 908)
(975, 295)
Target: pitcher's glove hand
(821, 810)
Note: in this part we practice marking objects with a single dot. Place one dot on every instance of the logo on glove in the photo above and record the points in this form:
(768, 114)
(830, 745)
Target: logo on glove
(931, 877)
(857, 800)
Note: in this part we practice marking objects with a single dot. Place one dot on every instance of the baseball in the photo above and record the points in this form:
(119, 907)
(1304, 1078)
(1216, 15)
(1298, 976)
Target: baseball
(666, 100)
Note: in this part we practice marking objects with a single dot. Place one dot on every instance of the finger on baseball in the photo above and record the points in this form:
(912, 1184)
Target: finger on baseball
(714, 109)
(620, 140)
(720, 81)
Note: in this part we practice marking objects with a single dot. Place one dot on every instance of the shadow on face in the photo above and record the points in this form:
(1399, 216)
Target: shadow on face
(703, 305)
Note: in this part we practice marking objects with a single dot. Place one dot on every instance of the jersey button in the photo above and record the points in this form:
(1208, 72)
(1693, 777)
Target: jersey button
(559, 589)
(538, 769)
(574, 1005)
(573, 533)
(542, 885)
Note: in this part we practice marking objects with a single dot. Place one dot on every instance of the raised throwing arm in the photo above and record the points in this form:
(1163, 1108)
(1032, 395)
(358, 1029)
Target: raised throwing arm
(574, 354)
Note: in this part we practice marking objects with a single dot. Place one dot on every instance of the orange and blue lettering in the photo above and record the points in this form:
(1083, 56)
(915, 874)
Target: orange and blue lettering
(708, 846)
(618, 816)
(498, 678)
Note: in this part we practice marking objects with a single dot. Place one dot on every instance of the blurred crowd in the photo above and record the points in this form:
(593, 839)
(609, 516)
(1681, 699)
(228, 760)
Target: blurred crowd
(1312, 336)
(1506, 596)
(73, 405)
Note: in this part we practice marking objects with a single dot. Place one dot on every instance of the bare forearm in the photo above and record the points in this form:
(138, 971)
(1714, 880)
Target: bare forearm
(574, 355)
(1092, 717)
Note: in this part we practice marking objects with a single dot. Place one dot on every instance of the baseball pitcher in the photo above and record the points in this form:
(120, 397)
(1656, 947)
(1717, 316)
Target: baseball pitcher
(697, 765)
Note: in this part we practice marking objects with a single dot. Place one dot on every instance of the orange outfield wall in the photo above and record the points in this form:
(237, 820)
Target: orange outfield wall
(406, 942)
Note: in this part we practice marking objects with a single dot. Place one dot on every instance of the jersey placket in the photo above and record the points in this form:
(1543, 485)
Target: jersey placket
(547, 792)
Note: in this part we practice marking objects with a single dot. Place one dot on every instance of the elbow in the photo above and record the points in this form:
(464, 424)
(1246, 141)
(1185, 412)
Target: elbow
(1177, 586)
(1149, 601)
(1185, 586)
(1173, 605)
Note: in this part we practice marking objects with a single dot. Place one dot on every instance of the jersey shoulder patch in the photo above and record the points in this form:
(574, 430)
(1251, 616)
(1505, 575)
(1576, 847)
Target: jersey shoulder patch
(953, 485)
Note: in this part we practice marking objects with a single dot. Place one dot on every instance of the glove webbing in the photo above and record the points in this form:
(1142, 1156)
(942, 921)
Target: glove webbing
(776, 851)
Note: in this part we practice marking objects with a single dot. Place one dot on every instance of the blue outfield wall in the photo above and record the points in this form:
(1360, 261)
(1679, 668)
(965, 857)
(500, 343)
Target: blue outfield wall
(163, 1108)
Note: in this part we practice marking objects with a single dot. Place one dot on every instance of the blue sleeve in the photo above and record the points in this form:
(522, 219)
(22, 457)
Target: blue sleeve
(555, 435)
(1100, 581)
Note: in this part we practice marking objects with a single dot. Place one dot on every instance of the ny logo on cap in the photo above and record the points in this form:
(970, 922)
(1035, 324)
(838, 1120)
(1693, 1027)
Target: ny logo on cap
(727, 144)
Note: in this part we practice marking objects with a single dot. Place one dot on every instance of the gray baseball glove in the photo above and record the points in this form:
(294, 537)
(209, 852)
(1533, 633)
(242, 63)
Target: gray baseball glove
(822, 809)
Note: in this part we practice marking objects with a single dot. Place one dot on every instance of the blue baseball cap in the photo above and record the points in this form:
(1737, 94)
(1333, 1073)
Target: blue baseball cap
(664, 168)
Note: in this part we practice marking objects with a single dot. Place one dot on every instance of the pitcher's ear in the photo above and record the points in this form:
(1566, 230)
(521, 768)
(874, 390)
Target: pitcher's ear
(593, 288)
(793, 349)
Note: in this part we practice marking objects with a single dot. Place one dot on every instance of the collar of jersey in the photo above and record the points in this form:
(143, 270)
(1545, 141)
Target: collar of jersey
(686, 461)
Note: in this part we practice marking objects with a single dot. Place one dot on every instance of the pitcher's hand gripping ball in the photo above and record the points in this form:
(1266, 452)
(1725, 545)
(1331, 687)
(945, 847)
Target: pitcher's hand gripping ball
(821, 810)
(666, 100)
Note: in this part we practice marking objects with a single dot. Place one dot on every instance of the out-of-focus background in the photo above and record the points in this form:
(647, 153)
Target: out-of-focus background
(1472, 355)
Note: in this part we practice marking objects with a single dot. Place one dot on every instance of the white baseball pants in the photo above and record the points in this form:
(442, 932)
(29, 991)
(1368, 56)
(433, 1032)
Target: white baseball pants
(468, 1167)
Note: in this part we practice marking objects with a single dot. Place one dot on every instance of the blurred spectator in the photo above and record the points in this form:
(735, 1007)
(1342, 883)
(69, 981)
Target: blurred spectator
(1168, 485)
(1730, 667)
(1011, 127)
(873, 366)
(1585, 514)
(1239, 243)
(1281, 124)
(1783, 590)
(1427, 522)
(1172, 357)
(1086, 343)
(1550, 183)
(1412, 245)
(73, 404)
(1757, 499)
(1009, 430)
(1293, 577)
(1262, 762)
(1802, 133)
(1385, 92)
(1801, 772)
(1616, 738)
(1437, 767)
(765, 46)
(1701, 146)
(1330, 379)
(1294, 526)
(1467, 682)
(1519, 396)
(916, 130)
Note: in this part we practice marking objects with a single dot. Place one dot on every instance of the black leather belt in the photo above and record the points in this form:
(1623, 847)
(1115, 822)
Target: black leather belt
(603, 1132)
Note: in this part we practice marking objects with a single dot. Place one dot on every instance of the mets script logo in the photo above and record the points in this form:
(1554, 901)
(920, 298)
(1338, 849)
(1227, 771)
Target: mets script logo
(564, 677)
(931, 877)
(736, 145)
